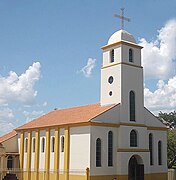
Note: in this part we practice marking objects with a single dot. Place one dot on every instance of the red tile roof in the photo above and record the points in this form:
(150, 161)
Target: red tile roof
(8, 136)
(80, 114)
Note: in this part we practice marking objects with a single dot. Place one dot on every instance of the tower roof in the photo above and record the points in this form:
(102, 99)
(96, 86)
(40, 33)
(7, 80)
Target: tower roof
(121, 35)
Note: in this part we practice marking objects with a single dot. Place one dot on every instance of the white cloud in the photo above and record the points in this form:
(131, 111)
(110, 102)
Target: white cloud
(158, 55)
(87, 70)
(45, 104)
(6, 118)
(32, 115)
(14, 88)
(163, 98)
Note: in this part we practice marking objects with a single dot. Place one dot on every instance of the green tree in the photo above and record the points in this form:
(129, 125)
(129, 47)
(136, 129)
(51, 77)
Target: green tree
(170, 120)
(171, 147)
(168, 117)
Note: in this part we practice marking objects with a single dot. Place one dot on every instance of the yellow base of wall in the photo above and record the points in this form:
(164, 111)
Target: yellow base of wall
(156, 176)
(52, 176)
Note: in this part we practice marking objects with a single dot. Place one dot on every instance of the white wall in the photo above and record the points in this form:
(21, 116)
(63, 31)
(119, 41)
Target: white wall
(61, 154)
(79, 148)
(42, 154)
(32, 153)
(102, 133)
(51, 153)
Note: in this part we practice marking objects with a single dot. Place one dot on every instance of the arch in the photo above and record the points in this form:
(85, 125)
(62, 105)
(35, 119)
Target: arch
(43, 145)
(98, 152)
(26, 144)
(132, 105)
(33, 145)
(135, 168)
(112, 55)
(159, 153)
(133, 138)
(52, 143)
(9, 162)
(62, 144)
(130, 55)
(151, 148)
(110, 148)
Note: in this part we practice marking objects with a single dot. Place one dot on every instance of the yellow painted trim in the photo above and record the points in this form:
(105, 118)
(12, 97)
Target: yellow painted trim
(132, 150)
(21, 150)
(114, 64)
(56, 153)
(66, 152)
(101, 124)
(104, 124)
(121, 43)
(37, 143)
(157, 128)
(133, 124)
(28, 165)
(47, 154)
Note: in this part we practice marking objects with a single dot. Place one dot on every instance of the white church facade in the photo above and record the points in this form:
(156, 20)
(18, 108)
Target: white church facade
(116, 139)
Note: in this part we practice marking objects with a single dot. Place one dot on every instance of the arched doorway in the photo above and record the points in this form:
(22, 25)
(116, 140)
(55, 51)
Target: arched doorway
(135, 168)
(9, 162)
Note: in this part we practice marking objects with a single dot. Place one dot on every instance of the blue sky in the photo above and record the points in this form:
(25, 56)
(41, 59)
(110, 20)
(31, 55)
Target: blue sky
(45, 44)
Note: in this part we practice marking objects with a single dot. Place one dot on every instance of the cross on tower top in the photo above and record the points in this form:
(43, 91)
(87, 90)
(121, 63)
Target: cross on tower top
(122, 17)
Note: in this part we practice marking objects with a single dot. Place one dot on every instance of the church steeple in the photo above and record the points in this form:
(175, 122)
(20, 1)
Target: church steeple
(121, 72)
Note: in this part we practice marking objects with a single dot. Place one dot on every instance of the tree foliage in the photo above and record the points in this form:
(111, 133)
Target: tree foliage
(170, 120)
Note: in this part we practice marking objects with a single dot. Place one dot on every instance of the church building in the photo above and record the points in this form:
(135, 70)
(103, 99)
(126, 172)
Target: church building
(115, 139)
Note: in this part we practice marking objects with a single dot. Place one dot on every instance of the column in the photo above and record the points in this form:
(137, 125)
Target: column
(47, 154)
(66, 152)
(21, 150)
(56, 154)
(28, 167)
(37, 143)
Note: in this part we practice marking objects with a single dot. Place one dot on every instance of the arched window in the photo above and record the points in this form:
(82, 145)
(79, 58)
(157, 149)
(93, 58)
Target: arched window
(132, 105)
(151, 148)
(33, 145)
(43, 145)
(133, 138)
(98, 152)
(130, 55)
(159, 153)
(9, 162)
(52, 144)
(62, 144)
(112, 56)
(26, 144)
(110, 148)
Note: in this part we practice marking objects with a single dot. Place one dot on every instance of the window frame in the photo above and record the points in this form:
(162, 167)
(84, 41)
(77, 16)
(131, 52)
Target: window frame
(62, 143)
(159, 152)
(110, 148)
(98, 152)
(132, 106)
(151, 148)
(131, 55)
(133, 138)
(112, 56)
(43, 145)
(52, 143)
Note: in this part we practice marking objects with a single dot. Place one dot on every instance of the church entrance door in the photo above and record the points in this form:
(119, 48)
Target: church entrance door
(135, 170)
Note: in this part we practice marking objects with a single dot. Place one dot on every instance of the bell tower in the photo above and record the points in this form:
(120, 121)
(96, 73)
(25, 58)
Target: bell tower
(122, 73)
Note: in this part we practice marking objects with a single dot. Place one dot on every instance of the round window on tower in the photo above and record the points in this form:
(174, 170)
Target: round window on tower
(110, 80)
(110, 93)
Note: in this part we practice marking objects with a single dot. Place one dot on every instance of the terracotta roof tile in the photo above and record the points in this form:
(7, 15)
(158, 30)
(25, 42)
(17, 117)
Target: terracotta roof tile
(8, 136)
(72, 115)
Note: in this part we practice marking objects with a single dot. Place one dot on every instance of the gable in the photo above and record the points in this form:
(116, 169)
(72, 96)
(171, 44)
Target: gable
(151, 120)
(110, 116)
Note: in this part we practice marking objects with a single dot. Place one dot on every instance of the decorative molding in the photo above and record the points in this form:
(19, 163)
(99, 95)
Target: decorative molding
(132, 150)
(121, 43)
(114, 64)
